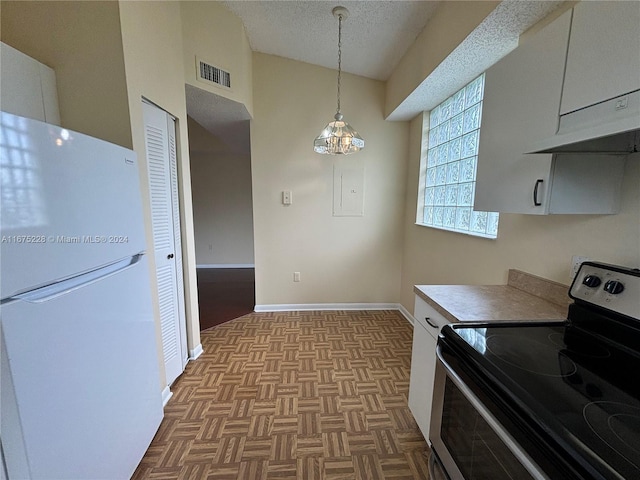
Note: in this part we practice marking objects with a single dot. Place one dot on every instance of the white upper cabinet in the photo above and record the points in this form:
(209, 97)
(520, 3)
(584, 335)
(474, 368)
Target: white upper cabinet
(523, 94)
(521, 98)
(603, 59)
(28, 87)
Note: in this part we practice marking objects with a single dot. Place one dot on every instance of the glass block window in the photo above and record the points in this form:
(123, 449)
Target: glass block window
(451, 158)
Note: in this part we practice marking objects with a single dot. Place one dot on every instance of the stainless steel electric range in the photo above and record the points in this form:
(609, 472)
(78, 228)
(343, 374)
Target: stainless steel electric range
(552, 400)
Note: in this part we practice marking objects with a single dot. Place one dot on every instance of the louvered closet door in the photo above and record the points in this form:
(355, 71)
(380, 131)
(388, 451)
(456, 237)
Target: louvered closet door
(177, 242)
(163, 190)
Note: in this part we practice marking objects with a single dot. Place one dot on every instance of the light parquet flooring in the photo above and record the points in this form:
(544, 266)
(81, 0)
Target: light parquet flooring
(294, 395)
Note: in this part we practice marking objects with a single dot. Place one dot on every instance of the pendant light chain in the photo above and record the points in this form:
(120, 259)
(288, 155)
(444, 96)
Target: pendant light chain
(338, 137)
(339, 56)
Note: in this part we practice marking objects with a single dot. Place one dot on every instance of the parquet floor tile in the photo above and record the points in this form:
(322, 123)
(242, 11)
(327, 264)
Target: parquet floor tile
(294, 395)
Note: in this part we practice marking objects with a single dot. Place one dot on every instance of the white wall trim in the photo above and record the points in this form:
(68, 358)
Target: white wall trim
(305, 307)
(406, 314)
(195, 352)
(166, 395)
(226, 265)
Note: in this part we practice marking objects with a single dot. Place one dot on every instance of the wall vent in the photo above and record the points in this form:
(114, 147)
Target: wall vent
(211, 74)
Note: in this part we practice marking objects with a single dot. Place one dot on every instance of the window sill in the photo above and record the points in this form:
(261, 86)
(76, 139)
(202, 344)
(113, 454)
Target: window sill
(471, 234)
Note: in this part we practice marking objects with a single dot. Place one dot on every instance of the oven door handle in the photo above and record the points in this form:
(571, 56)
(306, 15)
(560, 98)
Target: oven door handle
(499, 430)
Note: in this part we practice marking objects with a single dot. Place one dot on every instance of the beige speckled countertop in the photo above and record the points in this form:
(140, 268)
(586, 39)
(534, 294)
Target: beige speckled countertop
(460, 303)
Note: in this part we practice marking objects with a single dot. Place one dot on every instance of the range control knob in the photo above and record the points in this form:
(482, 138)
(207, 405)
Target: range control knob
(591, 281)
(613, 287)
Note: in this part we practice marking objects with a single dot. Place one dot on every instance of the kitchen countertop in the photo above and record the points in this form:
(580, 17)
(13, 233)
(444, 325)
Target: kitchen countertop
(525, 297)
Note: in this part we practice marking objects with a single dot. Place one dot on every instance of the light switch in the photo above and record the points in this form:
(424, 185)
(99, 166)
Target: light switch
(286, 197)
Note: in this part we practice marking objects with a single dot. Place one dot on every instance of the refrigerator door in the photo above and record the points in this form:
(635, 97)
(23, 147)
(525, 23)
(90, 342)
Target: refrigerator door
(80, 394)
(70, 203)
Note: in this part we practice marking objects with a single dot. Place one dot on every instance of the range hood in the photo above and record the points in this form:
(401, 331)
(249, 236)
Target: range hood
(612, 127)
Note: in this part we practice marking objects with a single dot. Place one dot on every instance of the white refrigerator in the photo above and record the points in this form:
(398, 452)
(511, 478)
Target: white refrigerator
(79, 382)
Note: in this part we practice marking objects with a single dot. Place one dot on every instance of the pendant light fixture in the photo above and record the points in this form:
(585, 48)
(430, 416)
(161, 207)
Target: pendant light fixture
(338, 137)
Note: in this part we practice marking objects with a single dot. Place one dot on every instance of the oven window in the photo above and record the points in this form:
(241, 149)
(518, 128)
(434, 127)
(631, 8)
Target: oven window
(476, 449)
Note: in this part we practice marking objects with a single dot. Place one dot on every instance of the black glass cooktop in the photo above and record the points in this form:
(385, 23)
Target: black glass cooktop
(580, 389)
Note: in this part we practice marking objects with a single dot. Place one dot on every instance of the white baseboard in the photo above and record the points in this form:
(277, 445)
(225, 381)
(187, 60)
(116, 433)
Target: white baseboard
(195, 352)
(166, 395)
(305, 307)
(226, 265)
(406, 314)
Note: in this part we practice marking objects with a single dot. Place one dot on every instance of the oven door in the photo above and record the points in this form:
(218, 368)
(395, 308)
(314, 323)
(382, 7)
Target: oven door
(468, 441)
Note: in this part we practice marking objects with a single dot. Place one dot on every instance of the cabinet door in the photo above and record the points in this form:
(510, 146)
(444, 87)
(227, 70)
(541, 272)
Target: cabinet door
(586, 183)
(21, 91)
(428, 323)
(521, 99)
(428, 316)
(28, 87)
(49, 94)
(423, 367)
(602, 60)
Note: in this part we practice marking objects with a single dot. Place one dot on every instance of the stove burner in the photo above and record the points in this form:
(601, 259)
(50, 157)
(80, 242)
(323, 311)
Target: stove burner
(584, 348)
(617, 425)
(531, 355)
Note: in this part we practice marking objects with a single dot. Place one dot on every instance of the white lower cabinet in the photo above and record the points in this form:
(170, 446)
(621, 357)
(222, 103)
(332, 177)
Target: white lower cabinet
(427, 325)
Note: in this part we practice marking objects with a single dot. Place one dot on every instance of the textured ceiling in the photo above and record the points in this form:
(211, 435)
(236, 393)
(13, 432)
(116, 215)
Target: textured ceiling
(374, 36)
(225, 119)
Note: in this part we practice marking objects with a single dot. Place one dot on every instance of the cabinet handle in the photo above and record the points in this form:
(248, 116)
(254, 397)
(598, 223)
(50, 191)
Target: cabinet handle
(428, 320)
(536, 203)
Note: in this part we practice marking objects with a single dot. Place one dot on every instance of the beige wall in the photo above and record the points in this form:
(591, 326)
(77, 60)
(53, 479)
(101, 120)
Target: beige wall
(81, 41)
(374, 258)
(222, 207)
(451, 24)
(541, 245)
(341, 259)
(152, 42)
(214, 34)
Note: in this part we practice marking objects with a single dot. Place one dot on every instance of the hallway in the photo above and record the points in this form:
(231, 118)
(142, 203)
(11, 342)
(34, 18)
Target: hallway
(224, 294)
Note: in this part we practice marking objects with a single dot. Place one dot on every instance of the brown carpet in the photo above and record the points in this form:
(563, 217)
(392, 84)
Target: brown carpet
(224, 294)
(300, 396)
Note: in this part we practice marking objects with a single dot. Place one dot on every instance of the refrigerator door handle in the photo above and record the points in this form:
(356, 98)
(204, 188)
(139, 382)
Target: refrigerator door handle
(63, 287)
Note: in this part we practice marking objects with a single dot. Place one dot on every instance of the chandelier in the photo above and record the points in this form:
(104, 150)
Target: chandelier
(338, 137)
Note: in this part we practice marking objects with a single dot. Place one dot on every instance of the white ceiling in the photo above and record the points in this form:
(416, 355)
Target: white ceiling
(375, 36)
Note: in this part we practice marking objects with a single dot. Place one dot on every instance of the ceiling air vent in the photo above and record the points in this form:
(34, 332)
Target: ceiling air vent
(212, 74)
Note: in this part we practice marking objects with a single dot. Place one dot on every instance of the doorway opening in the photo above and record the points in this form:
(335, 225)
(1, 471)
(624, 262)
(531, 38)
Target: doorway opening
(225, 294)
(220, 155)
